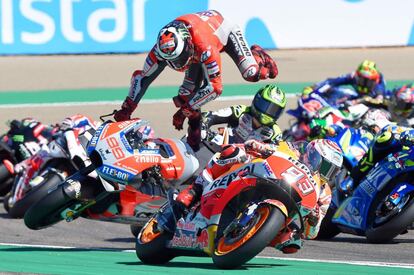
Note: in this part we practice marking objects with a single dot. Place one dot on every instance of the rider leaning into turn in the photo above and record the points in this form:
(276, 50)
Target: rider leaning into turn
(250, 123)
(79, 123)
(192, 44)
(391, 139)
(367, 81)
(401, 105)
(257, 121)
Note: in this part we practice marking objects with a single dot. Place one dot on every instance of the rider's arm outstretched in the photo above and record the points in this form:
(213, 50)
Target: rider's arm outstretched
(140, 81)
(329, 83)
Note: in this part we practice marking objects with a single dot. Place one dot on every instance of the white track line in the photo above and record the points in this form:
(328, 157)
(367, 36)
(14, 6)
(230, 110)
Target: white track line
(117, 102)
(365, 263)
(362, 263)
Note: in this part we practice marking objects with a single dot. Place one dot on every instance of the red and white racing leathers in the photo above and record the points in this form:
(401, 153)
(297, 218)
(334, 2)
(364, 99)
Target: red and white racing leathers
(211, 34)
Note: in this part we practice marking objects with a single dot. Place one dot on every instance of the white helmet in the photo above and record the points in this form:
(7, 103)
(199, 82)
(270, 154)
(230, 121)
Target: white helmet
(174, 45)
(325, 157)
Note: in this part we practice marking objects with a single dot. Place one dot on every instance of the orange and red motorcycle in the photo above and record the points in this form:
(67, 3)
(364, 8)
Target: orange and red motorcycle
(239, 214)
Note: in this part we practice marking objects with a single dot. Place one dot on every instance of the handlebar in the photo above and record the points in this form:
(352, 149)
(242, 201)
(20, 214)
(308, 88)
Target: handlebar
(107, 115)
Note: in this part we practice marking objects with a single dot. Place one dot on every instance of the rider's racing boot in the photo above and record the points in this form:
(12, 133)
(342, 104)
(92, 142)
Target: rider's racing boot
(288, 241)
(179, 204)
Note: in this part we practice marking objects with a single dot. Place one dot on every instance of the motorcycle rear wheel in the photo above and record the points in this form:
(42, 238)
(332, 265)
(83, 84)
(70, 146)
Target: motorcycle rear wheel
(231, 252)
(151, 247)
(50, 180)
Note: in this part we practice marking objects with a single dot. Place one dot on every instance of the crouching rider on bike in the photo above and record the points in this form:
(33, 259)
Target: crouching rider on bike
(391, 139)
(259, 121)
(324, 160)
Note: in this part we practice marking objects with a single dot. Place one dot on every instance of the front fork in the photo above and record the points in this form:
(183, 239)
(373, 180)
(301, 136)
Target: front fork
(244, 218)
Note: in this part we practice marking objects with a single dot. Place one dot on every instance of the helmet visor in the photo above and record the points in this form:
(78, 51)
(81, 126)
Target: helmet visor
(326, 169)
(183, 59)
(365, 84)
(266, 107)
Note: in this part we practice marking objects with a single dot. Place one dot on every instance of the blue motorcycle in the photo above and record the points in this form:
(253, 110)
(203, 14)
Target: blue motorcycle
(381, 207)
(309, 106)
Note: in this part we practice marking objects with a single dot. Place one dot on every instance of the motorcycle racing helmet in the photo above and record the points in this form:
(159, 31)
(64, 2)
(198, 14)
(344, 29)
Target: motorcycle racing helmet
(268, 104)
(323, 156)
(402, 102)
(367, 77)
(175, 46)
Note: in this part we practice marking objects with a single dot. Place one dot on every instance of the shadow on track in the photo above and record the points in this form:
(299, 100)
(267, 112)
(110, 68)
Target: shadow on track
(363, 240)
(121, 240)
(5, 216)
(186, 264)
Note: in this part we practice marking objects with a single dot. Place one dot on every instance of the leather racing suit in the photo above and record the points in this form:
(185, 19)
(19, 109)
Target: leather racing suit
(240, 120)
(211, 34)
(70, 128)
(330, 85)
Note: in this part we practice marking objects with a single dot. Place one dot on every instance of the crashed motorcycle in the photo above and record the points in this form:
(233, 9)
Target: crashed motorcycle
(134, 174)
(239, 213)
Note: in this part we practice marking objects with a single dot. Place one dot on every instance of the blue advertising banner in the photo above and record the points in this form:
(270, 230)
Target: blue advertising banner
(126, 26)
(86, 26)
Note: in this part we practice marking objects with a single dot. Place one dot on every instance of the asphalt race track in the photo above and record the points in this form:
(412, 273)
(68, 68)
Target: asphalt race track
(310, 65)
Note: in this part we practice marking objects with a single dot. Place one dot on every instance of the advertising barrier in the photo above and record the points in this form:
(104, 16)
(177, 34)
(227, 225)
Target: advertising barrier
(123, 26)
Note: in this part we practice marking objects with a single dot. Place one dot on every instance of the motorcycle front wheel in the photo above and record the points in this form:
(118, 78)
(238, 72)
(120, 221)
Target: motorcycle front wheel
(384, 228)
(328, 229)
(237, 246)
(47, 211)
(151, 245)
(6, 180)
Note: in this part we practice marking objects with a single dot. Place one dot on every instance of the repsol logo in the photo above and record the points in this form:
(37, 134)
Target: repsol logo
(226, 180)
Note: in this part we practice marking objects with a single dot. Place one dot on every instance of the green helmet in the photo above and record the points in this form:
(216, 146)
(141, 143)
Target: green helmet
(268, 104)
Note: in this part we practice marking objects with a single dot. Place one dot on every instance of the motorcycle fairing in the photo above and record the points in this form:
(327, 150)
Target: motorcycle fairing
(198, 228)
(353, 212)
(92, 144)
(354, 143)
(112, 173)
